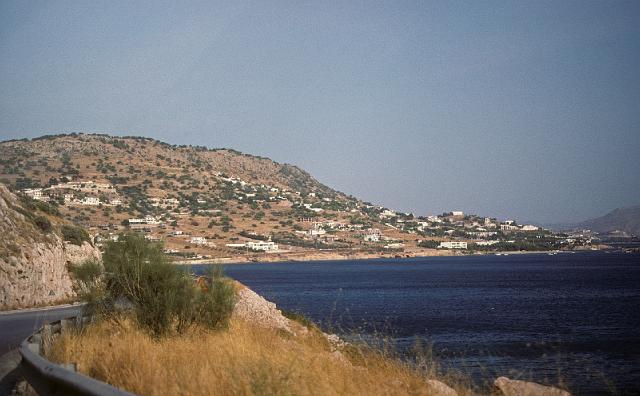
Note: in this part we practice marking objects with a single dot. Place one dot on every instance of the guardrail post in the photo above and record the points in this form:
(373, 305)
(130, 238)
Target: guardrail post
(46, 337)
(65, 325)
(78, 322)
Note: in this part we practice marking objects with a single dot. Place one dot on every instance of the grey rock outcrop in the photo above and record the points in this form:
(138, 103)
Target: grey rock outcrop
(33, 263)
(251, 307)
(439, 388)
(511, 387)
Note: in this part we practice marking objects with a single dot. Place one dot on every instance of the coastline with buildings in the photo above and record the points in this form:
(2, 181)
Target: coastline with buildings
(218, 204)
(452, 233)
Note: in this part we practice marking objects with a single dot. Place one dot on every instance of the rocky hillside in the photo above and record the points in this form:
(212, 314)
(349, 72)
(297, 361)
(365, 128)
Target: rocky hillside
(222, 205)
(128, 161)
(625, 219)
(34, 254)
(201, 202)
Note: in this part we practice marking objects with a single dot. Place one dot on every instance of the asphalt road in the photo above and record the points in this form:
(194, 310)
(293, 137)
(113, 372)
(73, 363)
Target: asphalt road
(16, 326)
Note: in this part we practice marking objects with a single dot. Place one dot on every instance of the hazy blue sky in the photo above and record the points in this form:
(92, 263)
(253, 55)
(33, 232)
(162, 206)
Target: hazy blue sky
(528, 109)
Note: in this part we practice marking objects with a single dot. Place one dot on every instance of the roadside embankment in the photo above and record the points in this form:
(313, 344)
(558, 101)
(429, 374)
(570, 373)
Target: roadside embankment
(262, 352)
(34, 255)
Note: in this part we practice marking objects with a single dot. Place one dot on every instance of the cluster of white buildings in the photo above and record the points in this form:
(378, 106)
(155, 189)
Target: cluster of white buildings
(163, 202)
(371, 235)
(35, 193)
(70, 199)
(510, 225)
(82, 187)
(198, 241)
(85, 186)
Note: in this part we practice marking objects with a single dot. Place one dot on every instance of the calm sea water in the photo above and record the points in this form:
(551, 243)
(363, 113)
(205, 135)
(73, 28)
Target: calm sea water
(538, 317)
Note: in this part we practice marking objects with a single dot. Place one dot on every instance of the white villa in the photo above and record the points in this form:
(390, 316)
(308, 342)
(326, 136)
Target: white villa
(388, 213)
(148, 220)
(264, 246)
(486, 243)
(452, 245)
(93, 201)
(314, 232)
(35, 193)
(198, 240)
(371, 237)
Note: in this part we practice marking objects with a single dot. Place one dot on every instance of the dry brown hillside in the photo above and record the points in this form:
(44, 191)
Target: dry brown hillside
(197, 200)
(134, 159)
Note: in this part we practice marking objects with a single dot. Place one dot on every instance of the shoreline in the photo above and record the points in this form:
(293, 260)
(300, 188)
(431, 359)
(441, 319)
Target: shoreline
(320, 257)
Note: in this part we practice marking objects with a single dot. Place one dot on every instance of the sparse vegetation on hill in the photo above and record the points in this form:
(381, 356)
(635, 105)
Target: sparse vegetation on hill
(75, 235)
(211, 203)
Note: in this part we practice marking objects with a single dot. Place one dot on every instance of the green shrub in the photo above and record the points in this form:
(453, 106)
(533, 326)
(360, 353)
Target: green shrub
(139, 272)
(429, 244)
(75, 235)
(163, 297)
(215, 305)
(43, 223)
(90, 288)
(87, 272)
(33, 205)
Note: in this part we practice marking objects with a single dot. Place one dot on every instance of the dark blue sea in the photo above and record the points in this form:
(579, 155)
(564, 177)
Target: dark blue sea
(573, 318)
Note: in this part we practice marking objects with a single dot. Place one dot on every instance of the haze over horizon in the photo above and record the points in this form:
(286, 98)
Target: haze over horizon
(523, 110)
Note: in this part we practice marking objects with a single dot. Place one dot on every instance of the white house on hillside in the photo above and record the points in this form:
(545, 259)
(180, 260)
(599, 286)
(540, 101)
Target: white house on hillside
(198, 240)
(453, 245)
(264, 246)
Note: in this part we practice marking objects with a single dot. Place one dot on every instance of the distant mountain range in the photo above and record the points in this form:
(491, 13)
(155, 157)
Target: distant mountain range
(625, 219)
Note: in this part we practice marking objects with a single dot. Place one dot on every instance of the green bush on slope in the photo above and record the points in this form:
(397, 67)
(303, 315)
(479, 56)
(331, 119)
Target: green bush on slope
(163, 298)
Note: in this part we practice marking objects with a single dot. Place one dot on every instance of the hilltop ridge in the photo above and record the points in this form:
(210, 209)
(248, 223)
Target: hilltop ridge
(625, 220)
(60, 148)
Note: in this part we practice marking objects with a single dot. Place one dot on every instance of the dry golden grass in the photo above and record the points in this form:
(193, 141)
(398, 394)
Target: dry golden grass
(245, 360)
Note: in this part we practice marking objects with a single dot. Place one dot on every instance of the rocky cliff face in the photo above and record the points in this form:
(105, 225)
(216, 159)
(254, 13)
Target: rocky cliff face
(33, 258)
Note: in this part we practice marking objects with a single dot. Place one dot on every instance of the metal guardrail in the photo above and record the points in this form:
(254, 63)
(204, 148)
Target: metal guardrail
(48, 378)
